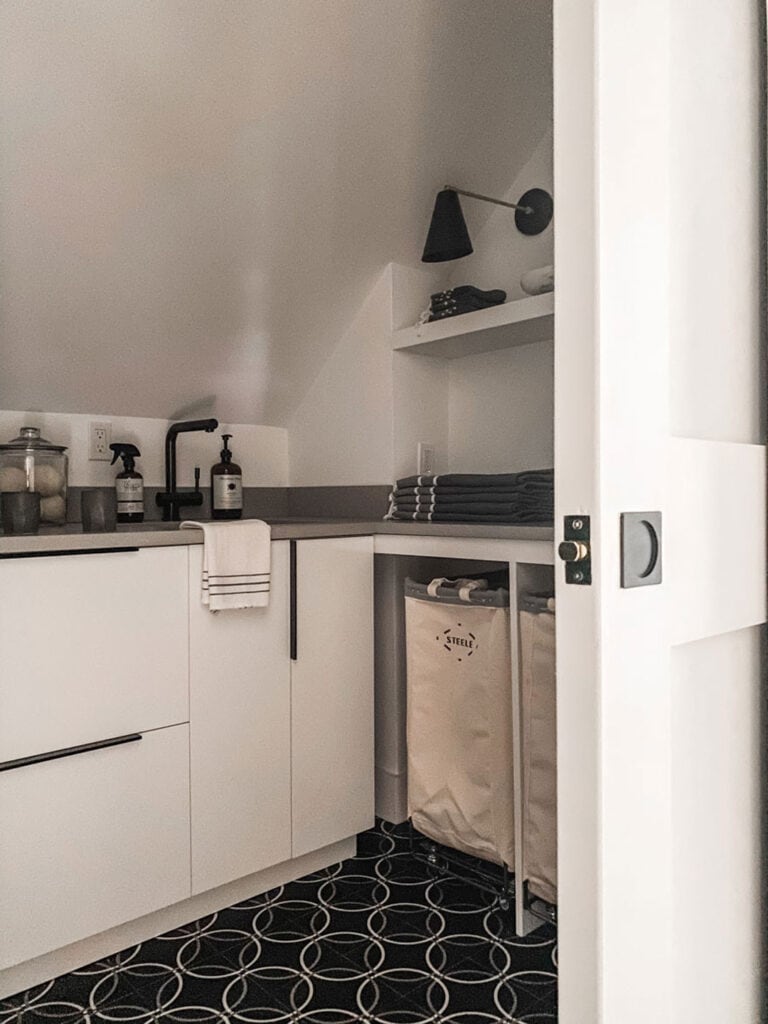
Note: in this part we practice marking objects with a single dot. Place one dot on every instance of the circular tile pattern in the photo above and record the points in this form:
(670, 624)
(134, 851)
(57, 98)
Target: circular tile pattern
(406, 924)
(452, 896)
(205, 956)
(377, 939)
(350, 894)
(342, 956)
(291, 921)
(468, 959)
(267, 994)
(403, 994)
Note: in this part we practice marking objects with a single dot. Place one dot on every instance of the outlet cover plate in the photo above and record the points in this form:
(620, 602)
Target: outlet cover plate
(99, 440)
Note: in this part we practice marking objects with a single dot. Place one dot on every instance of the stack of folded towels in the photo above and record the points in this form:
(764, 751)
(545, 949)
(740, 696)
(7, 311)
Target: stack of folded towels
(526, 497)
(463, 299)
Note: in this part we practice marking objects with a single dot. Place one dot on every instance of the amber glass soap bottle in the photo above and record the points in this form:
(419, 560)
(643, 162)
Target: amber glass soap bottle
(226, 486)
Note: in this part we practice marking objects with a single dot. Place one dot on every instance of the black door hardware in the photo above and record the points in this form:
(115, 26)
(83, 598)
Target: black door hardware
(575, 550)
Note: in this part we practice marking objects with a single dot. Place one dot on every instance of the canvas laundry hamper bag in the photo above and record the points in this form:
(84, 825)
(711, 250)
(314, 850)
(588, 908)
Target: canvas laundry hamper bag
(459, 716)
(538, 702)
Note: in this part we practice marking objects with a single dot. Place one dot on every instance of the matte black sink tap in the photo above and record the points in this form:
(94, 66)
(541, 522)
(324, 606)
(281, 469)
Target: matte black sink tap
(171, 500)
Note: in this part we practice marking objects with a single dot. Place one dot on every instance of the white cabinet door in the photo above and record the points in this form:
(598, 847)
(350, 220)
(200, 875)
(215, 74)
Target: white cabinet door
(91, 646)
(332, 691)
(240, 705)
(92, 840)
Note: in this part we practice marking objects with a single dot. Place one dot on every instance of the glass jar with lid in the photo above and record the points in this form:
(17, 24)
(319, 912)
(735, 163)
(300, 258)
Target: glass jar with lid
(30, 463)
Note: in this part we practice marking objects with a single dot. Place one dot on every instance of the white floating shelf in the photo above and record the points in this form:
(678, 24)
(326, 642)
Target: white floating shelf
(521, 322)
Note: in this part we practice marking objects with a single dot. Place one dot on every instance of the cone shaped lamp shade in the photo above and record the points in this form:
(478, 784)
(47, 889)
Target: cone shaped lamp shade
(448, 238)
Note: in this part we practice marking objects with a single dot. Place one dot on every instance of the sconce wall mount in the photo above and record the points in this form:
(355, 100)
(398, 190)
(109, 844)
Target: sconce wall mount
(448, 238)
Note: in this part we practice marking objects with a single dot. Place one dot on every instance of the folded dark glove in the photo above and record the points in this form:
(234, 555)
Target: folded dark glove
(458, 309)
(493, 297)
(449, 305)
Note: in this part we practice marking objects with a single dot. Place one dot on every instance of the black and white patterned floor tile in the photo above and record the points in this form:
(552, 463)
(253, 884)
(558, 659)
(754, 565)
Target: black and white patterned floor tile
(378, 938)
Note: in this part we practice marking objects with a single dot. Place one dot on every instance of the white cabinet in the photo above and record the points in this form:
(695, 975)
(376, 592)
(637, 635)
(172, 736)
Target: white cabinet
(332, 691)
(240, 705)
(92, 840)
(281, 748)
(114, 653)
(92, 645)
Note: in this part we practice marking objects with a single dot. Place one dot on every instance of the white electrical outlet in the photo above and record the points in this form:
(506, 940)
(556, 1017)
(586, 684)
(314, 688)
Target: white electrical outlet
(425, 459)
(99, 440)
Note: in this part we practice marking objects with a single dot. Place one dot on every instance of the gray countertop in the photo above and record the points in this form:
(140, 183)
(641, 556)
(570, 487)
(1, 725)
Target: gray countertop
(53, 539)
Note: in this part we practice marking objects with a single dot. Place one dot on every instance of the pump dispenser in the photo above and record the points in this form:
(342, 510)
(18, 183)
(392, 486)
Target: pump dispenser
(226, 486)
(129, 484)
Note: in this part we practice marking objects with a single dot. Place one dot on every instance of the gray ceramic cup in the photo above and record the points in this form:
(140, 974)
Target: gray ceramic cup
(99, 511)
(20, 511)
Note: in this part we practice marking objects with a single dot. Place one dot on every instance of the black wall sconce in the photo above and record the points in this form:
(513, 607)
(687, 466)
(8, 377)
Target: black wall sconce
(448, 238)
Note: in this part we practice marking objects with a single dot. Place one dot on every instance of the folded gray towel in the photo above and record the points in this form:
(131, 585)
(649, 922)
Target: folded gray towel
(455, 493)
(478, 498)
(518, 518)
(489, 481)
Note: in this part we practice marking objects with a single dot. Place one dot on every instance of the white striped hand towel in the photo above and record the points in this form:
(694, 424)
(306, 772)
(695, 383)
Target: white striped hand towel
(236, 563)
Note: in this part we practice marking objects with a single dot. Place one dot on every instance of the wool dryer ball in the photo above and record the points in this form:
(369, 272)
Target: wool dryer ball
(53, 509)
(48, 481)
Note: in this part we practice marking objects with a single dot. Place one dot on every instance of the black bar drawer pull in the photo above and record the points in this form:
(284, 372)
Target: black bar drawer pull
(294, 622)
(54, 755)
(67, 552)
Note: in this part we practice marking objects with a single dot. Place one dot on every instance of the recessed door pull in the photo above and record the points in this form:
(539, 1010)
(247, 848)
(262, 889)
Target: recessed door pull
(640, 549)
(575, 550)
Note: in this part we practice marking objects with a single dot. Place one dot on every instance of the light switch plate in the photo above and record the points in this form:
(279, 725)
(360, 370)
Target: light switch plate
(425, 459)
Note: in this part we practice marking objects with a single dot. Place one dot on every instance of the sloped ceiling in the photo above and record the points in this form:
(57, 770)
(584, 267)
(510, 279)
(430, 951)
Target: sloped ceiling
(197, 196)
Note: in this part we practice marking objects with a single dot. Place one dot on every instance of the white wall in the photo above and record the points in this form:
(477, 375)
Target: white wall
(494, 412)
(421, 410)
(501, 253)
(502, 403)
(262, 452)
(501, 411)
(342, 430)
(196, 197)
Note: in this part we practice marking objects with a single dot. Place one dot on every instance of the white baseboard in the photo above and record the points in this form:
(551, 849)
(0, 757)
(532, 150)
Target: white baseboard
(69, 958)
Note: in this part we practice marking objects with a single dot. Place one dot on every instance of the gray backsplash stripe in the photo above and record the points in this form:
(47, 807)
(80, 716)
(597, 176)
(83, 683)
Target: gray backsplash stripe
(361, 502)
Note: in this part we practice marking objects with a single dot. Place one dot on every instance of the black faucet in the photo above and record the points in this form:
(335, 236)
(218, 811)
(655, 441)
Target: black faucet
(171, 500)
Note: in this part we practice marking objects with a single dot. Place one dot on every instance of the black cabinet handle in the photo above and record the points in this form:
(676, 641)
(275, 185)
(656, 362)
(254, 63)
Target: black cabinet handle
(54, 755)
(293, 599)
(67, 551)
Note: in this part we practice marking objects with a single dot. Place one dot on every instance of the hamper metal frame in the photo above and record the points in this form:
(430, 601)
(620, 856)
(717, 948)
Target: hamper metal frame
(453, 864)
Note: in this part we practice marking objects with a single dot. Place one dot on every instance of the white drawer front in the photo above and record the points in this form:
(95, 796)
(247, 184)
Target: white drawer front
(91, 841)
(91, 645)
